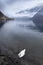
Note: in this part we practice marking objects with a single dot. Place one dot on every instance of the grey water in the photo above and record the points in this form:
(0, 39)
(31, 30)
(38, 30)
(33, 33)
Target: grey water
(20, 35)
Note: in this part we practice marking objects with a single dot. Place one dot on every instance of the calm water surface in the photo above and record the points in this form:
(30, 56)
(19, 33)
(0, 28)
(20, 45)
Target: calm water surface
(19, 35)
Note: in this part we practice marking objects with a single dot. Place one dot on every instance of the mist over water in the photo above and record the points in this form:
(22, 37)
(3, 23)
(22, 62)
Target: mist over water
(18, 35)
(16, 27)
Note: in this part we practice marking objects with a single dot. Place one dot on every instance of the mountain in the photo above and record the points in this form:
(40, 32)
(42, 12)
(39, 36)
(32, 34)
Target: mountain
(38, 19)
(29, 12)
(4, 18)
(1, 14)
(35, 9)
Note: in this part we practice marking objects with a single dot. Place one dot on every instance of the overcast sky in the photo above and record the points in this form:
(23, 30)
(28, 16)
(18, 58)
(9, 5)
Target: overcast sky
(13, 6)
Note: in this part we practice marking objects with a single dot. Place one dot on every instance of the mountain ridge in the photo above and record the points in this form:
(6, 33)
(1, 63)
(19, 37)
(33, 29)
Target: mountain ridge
(34, 9)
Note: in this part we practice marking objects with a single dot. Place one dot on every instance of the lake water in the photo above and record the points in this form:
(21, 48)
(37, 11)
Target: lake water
(20, 35)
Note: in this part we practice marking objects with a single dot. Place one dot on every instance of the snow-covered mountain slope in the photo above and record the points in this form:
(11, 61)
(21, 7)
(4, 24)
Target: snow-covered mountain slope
(29, 12)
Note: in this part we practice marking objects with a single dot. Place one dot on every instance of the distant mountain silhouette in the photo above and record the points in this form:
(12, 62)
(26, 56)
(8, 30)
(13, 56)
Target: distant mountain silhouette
(4, 18)
(34, 9)
(1, 14)
(38, 19)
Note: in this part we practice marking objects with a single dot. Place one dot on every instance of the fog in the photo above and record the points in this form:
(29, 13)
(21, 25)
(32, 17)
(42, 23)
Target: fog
(10, 7)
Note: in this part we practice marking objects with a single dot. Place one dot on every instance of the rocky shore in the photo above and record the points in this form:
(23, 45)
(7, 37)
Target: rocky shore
(8, 57)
